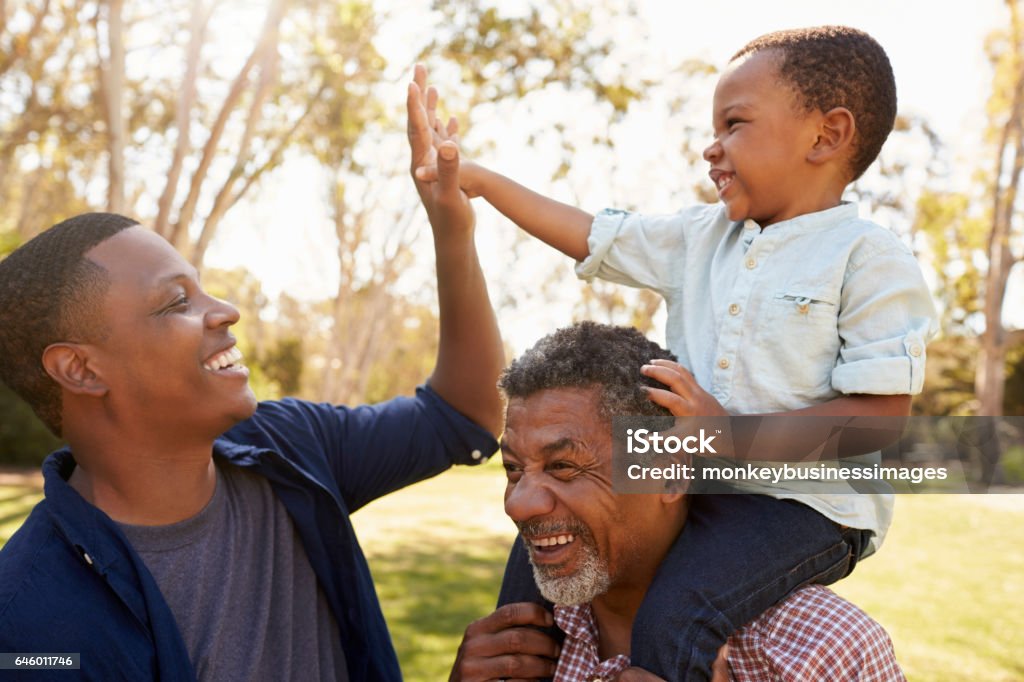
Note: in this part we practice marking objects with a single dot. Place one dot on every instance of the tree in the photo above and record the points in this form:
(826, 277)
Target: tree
(84, 108)
(47, 132)
(1006, 112)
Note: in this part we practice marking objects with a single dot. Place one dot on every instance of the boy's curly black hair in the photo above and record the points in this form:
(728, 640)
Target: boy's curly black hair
(838, 66)
(586, 355)
(50, 292)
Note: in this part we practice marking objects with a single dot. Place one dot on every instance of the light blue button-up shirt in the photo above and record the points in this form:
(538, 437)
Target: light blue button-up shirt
(812, 308)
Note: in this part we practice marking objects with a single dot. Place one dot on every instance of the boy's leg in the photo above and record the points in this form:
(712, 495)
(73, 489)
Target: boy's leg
(737, 556)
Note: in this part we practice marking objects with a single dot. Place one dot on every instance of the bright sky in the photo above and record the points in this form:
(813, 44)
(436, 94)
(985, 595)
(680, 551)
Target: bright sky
(936, 50)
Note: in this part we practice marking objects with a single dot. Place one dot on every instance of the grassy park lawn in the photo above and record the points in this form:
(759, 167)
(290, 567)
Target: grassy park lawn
(948, 584)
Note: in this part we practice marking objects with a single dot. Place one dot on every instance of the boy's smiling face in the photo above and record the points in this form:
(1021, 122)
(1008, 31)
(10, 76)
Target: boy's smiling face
(762, 139)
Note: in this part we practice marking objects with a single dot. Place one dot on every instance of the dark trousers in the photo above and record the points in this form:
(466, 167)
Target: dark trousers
(737, 556)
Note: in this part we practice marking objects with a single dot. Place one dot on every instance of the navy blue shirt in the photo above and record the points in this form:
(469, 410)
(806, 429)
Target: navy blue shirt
(71, 582)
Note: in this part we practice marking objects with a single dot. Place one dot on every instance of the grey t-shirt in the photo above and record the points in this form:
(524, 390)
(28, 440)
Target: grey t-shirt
(241, 588)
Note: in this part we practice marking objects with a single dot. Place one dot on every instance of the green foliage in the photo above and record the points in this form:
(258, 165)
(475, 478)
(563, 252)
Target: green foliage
(9, 241)
(956, 239)
(335, 67)
(1013, 398)
(16, 501)
(410, 358)
(510, 54)
(24, 441)
(1013, 465)
(949, 378)
(283, 365)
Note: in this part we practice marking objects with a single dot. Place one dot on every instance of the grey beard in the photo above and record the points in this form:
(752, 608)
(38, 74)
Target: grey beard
(590, 580)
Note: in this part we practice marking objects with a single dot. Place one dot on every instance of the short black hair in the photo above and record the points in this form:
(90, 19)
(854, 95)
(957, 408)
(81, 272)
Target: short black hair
(590, 355)
(50, 292)
(838, 66)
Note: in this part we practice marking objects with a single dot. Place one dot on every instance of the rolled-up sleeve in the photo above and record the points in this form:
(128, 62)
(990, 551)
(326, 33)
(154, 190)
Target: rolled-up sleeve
(634, 249)
(887, 317)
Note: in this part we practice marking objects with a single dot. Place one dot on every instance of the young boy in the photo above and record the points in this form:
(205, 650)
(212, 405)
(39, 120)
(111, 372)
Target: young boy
(780, 301)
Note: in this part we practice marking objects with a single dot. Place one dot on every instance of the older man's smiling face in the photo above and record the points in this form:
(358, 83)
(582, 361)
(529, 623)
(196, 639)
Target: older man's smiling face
(583, 539)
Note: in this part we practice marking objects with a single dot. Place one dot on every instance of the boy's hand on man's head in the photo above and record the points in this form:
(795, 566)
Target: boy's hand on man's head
(696, 410)
(684, 396)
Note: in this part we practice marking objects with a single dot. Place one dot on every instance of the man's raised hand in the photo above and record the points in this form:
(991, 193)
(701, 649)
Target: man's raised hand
(447, 206)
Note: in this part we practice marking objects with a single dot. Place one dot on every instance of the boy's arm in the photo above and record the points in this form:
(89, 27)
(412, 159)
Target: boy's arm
(564, 227)
(867, 422)
(470, 355)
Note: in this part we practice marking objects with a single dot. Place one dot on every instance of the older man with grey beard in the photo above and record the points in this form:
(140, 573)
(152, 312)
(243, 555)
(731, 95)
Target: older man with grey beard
(594, 552)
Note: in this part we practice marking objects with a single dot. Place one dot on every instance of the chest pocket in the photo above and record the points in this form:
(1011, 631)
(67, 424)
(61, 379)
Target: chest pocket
(803, 329)
(801, 304)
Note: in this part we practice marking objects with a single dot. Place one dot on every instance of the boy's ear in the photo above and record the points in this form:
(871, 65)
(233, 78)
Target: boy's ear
(69, 365)
(835, 136)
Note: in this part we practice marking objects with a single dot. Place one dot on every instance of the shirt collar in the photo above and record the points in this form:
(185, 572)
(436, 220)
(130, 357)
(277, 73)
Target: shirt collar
(90, 530)
(812, 222)
(577, 621)
(580, 659)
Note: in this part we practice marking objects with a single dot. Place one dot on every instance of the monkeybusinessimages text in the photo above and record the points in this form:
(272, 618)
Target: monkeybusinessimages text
(646, 442)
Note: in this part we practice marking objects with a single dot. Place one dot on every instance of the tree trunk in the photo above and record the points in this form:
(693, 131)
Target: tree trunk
(183, 116)
(179, 233)
(990, 378)
(225, 198)
(112, 85)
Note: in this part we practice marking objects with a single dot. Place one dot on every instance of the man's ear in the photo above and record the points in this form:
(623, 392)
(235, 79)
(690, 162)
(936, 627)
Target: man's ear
(69, 365)
(835, 136)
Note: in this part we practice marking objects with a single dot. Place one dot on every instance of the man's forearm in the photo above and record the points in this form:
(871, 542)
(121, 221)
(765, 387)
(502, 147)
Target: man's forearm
(562, 226)
(470, 354)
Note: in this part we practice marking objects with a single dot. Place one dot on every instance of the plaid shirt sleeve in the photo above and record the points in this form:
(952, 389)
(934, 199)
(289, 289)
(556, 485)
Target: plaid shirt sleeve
(813, 635)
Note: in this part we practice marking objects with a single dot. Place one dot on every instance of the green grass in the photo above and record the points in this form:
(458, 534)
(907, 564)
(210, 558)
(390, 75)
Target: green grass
(16, 501)
(948, 584)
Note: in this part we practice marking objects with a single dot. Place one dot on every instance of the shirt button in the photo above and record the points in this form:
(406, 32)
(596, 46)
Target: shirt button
(915, 350)
(734, 309)
(803, 308)
(751, 263)
(476, 454)
(724, 363)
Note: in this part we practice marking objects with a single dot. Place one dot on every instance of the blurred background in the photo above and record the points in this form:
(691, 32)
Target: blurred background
(266, 140)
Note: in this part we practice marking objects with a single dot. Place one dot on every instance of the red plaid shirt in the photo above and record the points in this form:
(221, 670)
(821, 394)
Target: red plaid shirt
(812, 635)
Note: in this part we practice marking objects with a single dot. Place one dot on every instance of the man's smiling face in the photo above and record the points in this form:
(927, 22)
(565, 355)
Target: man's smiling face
(583, 539)
(166, 354)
